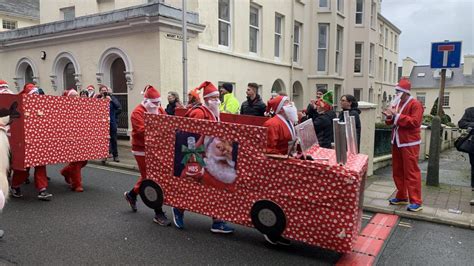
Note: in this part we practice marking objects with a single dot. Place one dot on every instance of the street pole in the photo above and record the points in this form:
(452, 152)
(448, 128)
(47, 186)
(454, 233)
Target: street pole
(432, 178)
(185, 55)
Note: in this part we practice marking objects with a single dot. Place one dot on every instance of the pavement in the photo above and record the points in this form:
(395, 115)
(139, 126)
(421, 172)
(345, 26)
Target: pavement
(447, 204)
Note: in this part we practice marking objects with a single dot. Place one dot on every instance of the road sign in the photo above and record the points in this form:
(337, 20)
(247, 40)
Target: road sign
(445, 54)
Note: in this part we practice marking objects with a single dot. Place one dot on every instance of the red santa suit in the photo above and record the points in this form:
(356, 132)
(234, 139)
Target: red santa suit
(20, 176)
(406, 141)
(279, 130)
(138, 131)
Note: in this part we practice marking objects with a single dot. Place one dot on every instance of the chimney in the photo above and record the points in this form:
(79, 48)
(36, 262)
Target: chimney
(407, 67)
(467, 68)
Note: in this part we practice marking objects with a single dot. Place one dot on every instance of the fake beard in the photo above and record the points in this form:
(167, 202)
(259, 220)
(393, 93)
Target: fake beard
(291, 113)
(220, 167)
(214, 107)
(4, 162)
(151, 108)
(396, 99)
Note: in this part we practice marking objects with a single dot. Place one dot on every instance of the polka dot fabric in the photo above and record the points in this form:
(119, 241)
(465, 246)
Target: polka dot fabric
(321, 200)
(64, 129)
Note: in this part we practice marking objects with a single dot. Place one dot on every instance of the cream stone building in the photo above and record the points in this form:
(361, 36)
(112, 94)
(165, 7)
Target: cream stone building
(293, 46)
(459, 88)
(18, 14)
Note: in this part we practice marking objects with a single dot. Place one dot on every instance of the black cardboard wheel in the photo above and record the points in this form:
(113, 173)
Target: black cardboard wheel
(268, 218)
(151, 194)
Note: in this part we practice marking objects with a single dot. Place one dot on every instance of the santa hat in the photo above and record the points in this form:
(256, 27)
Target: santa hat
(275, 104)
(3, 84)
(326, 100)
(403, 85)
(209, 89)
(151, 94)
(90, 88)
(70, 92)
(29, 88)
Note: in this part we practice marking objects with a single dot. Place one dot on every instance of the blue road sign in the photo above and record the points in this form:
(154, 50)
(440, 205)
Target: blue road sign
(445, 54)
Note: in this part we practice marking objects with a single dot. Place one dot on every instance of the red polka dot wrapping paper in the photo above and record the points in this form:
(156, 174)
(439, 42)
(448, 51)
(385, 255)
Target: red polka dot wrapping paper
(58, 129)
(321, 200)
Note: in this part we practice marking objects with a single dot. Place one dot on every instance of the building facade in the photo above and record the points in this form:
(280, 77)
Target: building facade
(459, 87)
(291, 46)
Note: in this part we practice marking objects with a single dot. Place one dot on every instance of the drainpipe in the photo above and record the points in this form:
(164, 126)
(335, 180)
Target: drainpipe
(292, 48)
(185, 55)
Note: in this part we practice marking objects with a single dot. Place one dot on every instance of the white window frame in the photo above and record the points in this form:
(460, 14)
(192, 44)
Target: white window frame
(360, 57)
(395, 49)
(373, 14)
(324, 8)
(446, 99)
(340, 6)
(321, 86)
(390, 72)
(323, 48)
(229, 26)
(380, 69)
(339, 50)
(8, 24)
(360, 94)
(361, 12)
(372, 60)
(297, 42)
(421, 97)
(65, 10)
(279, 37)
(391, 41)
(386, 38)
(381, 34)
(385, 66)
(257, 28)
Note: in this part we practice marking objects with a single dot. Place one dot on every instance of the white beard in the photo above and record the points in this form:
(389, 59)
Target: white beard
(4, 163)
(150, 107)
(291, 113)
(220, 167)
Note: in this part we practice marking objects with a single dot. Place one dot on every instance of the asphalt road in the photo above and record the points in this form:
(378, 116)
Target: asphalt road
(97, 227)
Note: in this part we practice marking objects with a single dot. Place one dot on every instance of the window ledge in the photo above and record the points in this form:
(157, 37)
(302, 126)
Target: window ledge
(325, 10)
(341, 14)
(358, 75)
(359, 26)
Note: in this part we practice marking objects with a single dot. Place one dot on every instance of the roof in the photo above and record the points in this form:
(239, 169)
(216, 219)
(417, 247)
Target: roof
(388, 22)
(418, 80)
(24, 8)
(147, 11)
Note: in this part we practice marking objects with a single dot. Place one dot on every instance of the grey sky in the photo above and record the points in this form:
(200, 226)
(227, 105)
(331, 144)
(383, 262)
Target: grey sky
(426, 21)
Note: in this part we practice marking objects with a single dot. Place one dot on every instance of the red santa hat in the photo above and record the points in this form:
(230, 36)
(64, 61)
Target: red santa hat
(29, 88)
(70, 92)
(403, 85)
(276, 104)
(209, 89)
(151, 94)
(3, 84)
(90, 88)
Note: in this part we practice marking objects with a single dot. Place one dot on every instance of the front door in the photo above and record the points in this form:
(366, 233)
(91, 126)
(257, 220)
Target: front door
(119, 87)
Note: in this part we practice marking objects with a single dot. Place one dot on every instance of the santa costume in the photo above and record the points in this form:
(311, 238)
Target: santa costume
(280, 130)
(72, 171)
(406, 142)
(40, 177)
(150, 104)
(4, 88)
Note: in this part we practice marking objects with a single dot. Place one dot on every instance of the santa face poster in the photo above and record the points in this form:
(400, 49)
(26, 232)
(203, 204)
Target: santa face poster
(207, 160)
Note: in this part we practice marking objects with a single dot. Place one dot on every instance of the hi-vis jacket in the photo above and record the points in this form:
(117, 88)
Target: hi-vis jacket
(407, 123)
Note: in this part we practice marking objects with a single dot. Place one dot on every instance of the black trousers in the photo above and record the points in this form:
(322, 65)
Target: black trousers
(471, 160)
(113, 149)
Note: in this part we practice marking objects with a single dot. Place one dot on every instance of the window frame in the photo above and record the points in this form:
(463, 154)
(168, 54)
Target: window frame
(395, 48)
(361, 57)
(279, 35)
(372, 59)
(297, 42)
(64, 11)
(340, 6)
(339, 50)
(324, 8)
(228, 23)
(8, 24)
(385, 66)
(256, 28)
(373, 14)
(359, 90)
(361, 12)
(325, 49)
(446, 98)
(421, 95)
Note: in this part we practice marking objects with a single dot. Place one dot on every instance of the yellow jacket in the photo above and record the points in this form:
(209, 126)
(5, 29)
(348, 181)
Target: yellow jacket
(230, 104)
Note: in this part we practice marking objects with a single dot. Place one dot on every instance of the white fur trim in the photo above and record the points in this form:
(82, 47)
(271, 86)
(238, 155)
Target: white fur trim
(214, 93)
(4, 167)
(402, 89)
(154, 100)
(280, 105)
(138, 153)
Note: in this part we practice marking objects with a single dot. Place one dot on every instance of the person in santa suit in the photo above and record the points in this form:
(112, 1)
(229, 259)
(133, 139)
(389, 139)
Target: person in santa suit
(150, 104)
(406, 114)
(40, 177)
(4, 88)
(280, 127)
(208, 111)
(91, 91)
(72, 171)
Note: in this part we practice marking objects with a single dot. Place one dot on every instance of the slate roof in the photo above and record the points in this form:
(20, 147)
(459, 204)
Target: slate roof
(429, 81)
(22, 8)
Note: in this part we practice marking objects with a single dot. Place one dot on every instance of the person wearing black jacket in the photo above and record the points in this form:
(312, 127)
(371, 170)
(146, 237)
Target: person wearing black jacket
(254, 104)
(349, 103)
(114, 111)
(311, 110)
(467, 121)
(323, 122)
(173, 102)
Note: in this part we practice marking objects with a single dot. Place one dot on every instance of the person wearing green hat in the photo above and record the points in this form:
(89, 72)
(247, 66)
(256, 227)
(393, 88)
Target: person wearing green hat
(323, 122)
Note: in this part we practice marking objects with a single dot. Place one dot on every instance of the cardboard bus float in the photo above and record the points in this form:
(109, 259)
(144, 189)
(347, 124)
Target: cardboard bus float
(56, 129)
(220, 169)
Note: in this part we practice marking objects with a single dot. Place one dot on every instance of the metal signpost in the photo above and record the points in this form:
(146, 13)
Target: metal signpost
(443, 55)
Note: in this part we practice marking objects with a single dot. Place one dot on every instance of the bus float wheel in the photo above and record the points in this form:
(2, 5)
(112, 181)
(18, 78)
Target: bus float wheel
(268, 218)
(151, 194)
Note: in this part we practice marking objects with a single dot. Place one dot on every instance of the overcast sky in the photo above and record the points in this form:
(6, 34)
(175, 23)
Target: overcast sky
(426, 21)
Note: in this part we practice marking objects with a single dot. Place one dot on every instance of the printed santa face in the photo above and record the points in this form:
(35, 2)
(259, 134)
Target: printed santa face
(219, 161)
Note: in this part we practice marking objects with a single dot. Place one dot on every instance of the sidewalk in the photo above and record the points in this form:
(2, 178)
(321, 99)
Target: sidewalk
(448, 204)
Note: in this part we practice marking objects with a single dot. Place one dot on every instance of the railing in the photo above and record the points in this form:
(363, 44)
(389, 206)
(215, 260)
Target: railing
(382, 143)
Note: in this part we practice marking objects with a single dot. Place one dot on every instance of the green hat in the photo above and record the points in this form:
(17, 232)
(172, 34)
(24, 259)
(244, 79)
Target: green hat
(327, 98)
